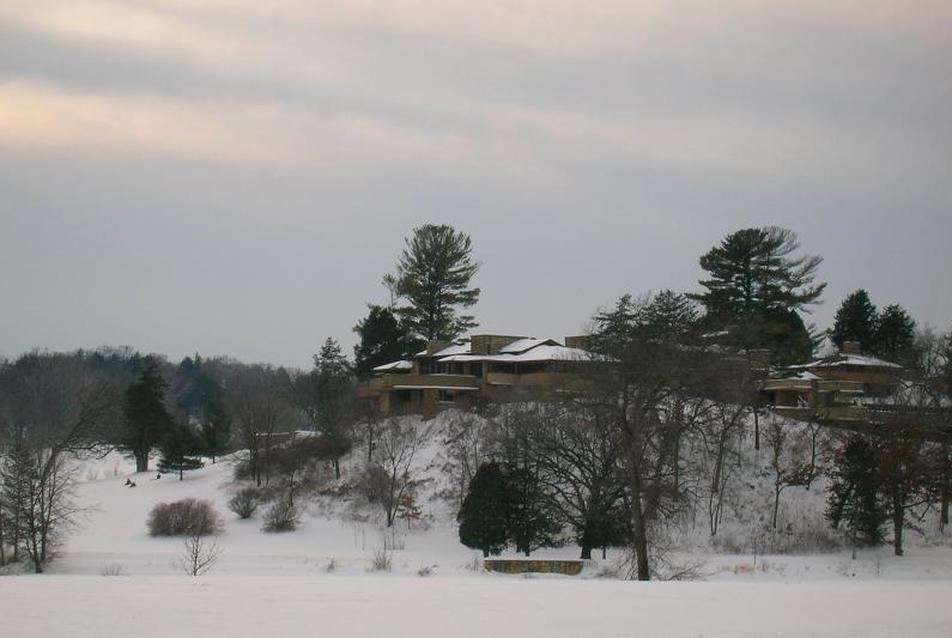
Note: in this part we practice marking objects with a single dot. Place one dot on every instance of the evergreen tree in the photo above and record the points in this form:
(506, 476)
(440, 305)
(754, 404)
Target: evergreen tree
(433, 275)
(326, 395)
(895, 334)
(18, 475)
(756, 283)
(484, 516)
(383, 339)
(532, 524)
(147, 420)
(180, 450)
(855, 320)
(216, 429)
(200, 400)
(854, 499)
(670, 316)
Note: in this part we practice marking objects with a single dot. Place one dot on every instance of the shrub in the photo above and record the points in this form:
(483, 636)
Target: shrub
(283, 516)
(426, 570)
(245, 502)
(382, 560)
(186, 517)
(114, 569)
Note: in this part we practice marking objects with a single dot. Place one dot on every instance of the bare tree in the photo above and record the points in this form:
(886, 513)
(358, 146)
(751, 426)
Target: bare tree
(786, 461)
(903, 449)
(721, 429)
(199, 556)
(572, 449)
(465, 444)
(935, 396)
(51, 406)
(648, 360)
(394, 473)
(258, 397)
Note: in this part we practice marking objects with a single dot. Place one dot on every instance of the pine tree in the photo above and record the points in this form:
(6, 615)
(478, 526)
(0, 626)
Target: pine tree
(854, 499)
(755, 282)
(180, 450)
(326, 395)
(216, 429)
(895, 334)
(483, 519)
(383, 339)
(17, 476)
(200, 400)
(433, 275)
(532, 523)
(855, 320)
(147, 420)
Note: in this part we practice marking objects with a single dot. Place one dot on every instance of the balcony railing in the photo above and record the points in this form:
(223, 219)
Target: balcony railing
(390, 382)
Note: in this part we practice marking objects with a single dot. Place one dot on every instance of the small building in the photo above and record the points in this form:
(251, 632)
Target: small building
(493, 368)
(838, 388)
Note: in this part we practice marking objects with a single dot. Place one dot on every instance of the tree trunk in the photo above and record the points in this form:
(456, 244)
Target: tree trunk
(586, 552)
(370, 443)
(776, 506)
(944, 514)
(485, 553)
(946, 495)
(337, 468)
(756, 428)
(898, 516)
(142, 461)
(639, 530)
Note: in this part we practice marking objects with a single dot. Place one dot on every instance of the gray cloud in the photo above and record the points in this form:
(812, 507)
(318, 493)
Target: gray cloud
(193, 177)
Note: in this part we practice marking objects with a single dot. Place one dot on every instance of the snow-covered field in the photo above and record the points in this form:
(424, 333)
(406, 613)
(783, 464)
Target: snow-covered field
(342, 606)
(113, 579)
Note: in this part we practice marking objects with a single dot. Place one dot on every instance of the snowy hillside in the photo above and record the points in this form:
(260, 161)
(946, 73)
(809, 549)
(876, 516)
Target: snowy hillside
(321, 574)
(346, 534)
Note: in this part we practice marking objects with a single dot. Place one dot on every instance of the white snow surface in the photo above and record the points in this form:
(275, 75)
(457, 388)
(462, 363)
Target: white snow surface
(318, 579)
(521, 345)
(394, 365)
(839, 359)
(345, 606)
(536, 354)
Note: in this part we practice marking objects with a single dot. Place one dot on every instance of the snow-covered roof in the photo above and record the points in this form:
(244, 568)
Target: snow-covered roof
(538, 354)
(456, 348)
(806, 375)
(859, 360)
(552, 353)
(395, 365)
(521, 345)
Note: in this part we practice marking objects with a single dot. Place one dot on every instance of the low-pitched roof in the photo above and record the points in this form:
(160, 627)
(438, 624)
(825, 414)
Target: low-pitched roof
(394, 365)
(538, 354)
(456, 348)
(521, 345)
(840, 359)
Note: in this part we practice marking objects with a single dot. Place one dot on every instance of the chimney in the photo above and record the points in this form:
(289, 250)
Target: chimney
(577, 341)
(850, 347)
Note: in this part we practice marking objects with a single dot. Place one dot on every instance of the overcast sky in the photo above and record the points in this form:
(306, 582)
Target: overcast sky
(235, 177)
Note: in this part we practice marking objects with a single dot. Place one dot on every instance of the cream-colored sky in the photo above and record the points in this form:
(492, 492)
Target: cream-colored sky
(594, 148)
